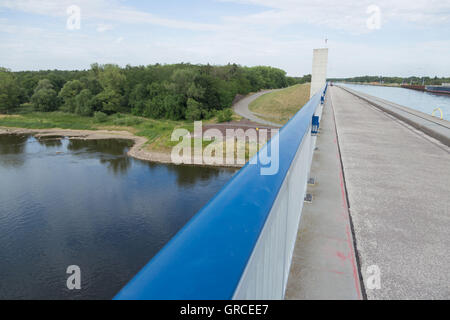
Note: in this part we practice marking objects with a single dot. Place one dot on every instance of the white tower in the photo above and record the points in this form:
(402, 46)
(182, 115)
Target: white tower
(319, 71)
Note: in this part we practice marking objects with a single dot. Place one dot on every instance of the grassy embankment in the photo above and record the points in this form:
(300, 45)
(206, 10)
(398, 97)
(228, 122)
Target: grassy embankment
(158, 132)
(280, 106)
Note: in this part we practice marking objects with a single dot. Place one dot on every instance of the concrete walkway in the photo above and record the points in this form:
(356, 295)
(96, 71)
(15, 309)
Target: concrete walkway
(398, 182)
(324, 264)
(241, 108)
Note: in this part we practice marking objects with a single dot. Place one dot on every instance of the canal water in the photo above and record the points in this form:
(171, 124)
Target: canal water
(86, 203)
(422, 101)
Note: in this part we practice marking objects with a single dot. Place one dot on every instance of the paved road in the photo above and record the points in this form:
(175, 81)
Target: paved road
(398, 182)
(241, 108)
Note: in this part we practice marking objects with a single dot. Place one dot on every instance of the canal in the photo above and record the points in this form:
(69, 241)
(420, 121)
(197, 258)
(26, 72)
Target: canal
(421, 101)
(86, 203)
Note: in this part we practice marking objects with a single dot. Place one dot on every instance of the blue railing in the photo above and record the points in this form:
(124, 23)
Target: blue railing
(207, 258)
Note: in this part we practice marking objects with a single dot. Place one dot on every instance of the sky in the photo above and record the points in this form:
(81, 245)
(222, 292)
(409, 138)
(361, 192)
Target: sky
(377, 37)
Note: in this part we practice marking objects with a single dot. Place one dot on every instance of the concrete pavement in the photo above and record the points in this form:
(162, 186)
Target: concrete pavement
(398, 182)
(324, 262)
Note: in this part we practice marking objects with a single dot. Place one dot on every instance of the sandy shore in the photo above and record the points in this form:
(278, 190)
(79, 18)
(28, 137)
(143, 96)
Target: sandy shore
(138, 151)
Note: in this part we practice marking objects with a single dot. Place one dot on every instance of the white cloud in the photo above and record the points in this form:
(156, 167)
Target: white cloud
(349, 15)
(104, 27)
(111, 10)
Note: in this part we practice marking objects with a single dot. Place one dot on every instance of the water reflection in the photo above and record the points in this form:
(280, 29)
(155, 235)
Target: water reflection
(12, 144)
(115, 147)
(112, 152)
(50, 142)
(12, 148)
(118, 165)
(191, 175)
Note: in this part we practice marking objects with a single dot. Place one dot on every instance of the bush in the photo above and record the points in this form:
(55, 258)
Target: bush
(100, 117)
(127, 121)
(225, 116)
(25, 108)
(208, 114)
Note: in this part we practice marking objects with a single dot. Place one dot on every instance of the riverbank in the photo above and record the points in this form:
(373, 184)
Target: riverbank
(140, 150)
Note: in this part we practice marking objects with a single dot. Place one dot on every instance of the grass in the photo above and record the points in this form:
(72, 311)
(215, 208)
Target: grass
(158, 132)
(281, 106)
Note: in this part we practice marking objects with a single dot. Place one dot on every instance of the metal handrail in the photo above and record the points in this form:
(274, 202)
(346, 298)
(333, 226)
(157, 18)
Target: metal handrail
(207, 258)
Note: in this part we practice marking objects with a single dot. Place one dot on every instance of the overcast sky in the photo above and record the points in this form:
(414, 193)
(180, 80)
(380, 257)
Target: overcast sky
(412, 37)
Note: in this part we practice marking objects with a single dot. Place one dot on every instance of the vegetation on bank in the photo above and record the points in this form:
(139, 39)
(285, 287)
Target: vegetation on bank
(158, 132)
(281, 106)
(174, 92)
(395, 80)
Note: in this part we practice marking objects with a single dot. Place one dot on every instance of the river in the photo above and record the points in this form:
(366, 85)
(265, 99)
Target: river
(422, 101)
(86, 203)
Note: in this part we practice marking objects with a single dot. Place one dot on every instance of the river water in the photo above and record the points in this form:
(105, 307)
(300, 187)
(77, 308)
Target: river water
(421, 101)
(85, 203)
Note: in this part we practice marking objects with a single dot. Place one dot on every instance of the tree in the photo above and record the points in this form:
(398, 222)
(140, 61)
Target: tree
(111, 77)
(83, 103)
(68, 94)
(45, 99)
(138, 98)
(9, 92)
(174, 106)
(194, 111)
(112, 81)
(182, 80)
(110, 101)
(43, 84)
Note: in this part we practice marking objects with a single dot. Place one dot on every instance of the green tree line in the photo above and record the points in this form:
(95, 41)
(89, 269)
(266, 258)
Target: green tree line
(176, 92)
(396, 80)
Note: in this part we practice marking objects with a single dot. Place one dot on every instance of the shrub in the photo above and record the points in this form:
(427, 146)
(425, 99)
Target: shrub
(100, 117)
(25, 108)
(225, 116)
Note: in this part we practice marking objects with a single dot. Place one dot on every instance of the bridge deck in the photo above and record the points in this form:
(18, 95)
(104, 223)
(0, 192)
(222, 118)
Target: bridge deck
(398, 182)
